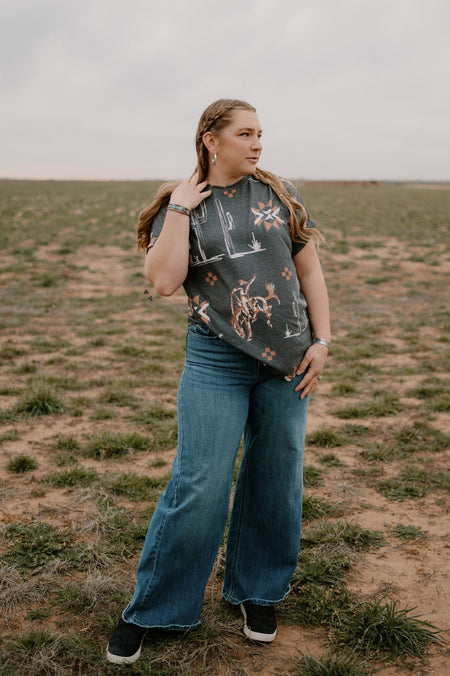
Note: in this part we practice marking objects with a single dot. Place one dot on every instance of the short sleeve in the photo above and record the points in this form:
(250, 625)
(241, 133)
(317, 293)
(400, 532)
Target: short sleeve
(292, 190)
(157, 225)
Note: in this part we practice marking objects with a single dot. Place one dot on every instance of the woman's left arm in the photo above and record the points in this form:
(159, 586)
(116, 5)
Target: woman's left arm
(312, 284)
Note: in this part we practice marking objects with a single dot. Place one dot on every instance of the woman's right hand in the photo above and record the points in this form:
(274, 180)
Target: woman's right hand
(189, 193)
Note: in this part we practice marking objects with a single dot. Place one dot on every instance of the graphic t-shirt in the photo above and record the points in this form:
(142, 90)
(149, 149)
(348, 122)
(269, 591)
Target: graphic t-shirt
(241, 281)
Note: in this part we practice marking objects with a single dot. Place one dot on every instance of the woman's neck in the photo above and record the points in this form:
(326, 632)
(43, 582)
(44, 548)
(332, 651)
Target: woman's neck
(220, 178)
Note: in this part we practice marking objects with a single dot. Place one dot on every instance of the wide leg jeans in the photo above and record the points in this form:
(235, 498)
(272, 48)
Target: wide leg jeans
(224, 394)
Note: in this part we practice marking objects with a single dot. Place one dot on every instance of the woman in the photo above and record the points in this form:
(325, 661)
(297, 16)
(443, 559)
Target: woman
(241, 242)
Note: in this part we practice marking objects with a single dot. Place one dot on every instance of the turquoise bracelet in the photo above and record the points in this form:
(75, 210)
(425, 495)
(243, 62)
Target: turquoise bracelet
(177, 207)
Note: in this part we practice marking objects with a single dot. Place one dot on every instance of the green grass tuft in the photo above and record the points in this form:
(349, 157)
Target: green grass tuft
(355, 431)
(73, 598)
(331, 460)
(408, 533)
(332, 665)
(32, 545)
(382, 404)
(413, 482)
(76, 476)
(44, 652)
(12, 435)
(39, 399)
(379, 453)
(9, 352)
(343, 389)
(161, 424)
(47, 280)
(153, 414)
(33, 641)
(136, 487)
(384, 630)
(113, 445)
(352, 534)
(316, 604)
(420, 437)
(399, 490)
(102, 414)
(367, 472)
(37, 614)
(425, 477)
(314, 507)
(312, 476)
(326, 438)
(118, 396)
(434, 392)
(321, 566)
(21, 464)
(68, 444)
(122, 535)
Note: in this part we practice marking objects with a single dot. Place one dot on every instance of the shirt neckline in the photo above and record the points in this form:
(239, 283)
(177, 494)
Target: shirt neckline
(227, 187)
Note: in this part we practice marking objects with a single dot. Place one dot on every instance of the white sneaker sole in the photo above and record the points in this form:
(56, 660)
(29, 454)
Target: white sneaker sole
(256, 635)
(120, 659)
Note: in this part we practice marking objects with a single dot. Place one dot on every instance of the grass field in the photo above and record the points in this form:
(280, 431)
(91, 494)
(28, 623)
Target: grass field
(89, 363)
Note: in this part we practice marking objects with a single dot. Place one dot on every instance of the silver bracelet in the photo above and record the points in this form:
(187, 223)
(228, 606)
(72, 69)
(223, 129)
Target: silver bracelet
(180, 209)
(322, 341)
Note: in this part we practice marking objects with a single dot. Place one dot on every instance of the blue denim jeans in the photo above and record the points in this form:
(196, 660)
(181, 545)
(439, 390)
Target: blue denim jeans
(224, 394)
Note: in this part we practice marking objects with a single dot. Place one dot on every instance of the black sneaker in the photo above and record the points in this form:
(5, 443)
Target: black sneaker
(124, 646)
(260, 622)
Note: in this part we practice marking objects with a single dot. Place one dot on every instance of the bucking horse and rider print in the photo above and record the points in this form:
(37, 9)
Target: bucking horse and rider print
(246, 308)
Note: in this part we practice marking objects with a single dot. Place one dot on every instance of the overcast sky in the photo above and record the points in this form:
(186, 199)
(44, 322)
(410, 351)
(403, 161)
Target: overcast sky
(344, 89)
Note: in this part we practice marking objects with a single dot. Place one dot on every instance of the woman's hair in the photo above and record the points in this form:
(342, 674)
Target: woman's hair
(215, 119)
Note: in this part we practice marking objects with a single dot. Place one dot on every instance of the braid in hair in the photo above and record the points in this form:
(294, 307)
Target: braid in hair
(215, 118)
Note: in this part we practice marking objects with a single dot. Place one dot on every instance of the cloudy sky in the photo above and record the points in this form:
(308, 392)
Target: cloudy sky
(344, 89)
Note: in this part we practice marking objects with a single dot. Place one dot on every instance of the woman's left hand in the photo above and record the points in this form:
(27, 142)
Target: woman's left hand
(312, 366)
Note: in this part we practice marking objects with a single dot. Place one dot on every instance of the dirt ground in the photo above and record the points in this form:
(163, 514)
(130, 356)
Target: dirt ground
(416, 573)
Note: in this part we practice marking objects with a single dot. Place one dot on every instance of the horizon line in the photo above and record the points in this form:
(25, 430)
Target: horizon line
(95, 179)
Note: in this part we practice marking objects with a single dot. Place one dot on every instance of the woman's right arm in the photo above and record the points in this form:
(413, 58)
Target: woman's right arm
(166, 263)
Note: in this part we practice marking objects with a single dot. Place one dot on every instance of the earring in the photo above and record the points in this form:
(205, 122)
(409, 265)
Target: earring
(214, 159)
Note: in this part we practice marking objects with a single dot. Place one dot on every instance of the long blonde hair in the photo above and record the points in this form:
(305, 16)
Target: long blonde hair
(215, 119)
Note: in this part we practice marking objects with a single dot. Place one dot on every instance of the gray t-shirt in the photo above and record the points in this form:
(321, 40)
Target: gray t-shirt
(241, 281)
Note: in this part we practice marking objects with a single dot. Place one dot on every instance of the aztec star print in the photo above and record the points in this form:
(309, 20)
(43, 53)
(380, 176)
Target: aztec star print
(267, 215)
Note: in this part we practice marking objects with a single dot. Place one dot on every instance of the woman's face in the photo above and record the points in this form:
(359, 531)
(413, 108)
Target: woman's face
(238, 146)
